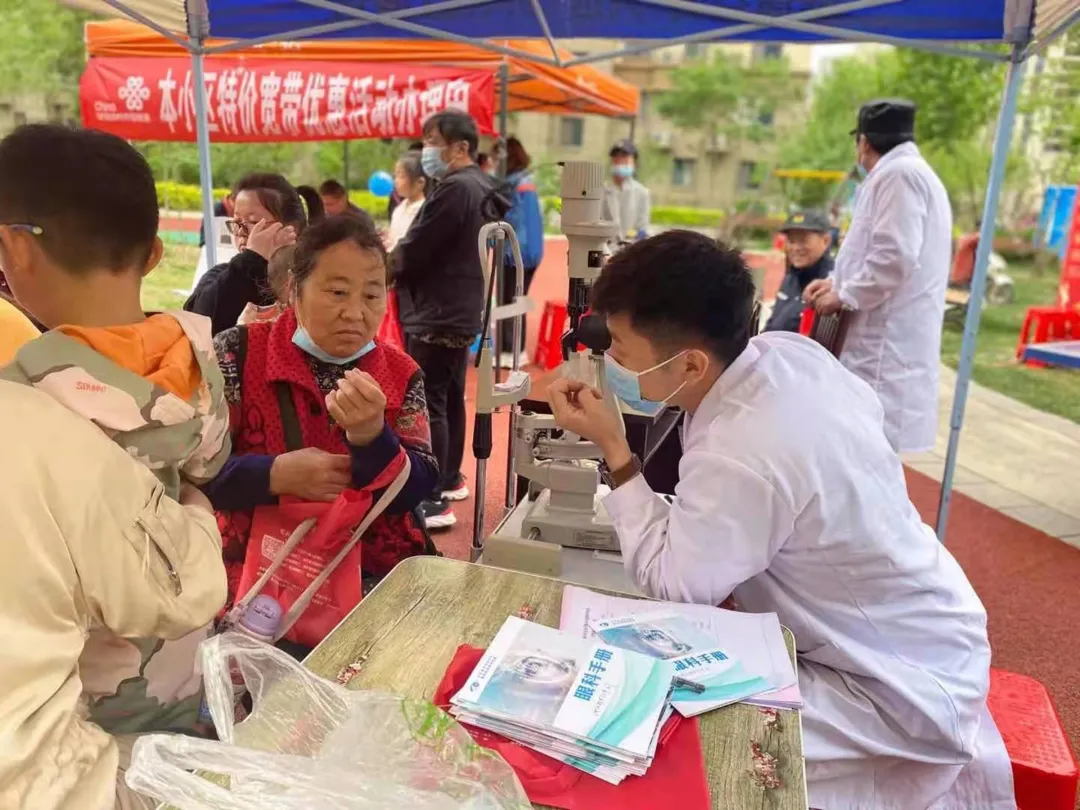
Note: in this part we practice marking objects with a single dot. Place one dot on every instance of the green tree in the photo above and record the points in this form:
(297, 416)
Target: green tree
(725, 96)
(41, 50)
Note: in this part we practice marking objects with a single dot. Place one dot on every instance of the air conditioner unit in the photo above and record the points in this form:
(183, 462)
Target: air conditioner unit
(717, 143)
(662, 139)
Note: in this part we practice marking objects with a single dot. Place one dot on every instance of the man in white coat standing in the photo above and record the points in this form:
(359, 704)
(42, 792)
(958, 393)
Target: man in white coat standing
(892, 271)
(790, 498)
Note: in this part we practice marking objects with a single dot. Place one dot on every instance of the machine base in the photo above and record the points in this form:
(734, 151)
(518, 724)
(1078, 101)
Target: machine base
(565, 528)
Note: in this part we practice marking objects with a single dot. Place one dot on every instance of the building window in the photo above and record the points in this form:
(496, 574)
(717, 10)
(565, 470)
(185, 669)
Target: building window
(768, 50)
(682, 172)
(748, 178)
(572, 132)
(695, 50)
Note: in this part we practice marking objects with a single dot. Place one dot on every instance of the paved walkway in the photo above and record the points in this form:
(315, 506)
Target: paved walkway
(1013, 458)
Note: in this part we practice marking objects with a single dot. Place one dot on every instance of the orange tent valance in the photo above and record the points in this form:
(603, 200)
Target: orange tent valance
(533, 86)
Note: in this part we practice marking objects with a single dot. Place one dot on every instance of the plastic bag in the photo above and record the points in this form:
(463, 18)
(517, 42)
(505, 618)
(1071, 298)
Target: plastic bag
(313, 744)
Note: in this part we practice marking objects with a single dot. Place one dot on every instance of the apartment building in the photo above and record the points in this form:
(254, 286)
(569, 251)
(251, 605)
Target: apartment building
(680, 167)
(1044, 134)
(33, 108)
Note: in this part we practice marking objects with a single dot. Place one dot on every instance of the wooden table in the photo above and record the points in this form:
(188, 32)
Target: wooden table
(436, 604)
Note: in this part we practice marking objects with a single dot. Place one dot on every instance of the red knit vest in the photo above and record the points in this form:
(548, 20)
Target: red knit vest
(270, 359)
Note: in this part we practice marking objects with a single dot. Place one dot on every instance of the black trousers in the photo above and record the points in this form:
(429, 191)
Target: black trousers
(506, 328)
(444, 383)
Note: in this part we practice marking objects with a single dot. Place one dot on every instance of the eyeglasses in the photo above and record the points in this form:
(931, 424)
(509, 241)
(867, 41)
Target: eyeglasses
(239, 228)
(35, 230)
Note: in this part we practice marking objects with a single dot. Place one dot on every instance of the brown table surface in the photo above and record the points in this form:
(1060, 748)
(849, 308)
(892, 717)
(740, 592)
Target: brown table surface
(437, 604)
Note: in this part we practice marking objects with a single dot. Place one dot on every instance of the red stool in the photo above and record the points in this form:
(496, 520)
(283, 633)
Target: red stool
(1044, 768)
(806, 322)
(1049, 324)
(549, 341)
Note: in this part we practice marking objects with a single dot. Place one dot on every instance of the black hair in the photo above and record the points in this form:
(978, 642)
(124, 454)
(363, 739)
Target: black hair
(455, 126)
(286, 203)
(91, 193)
(482, 158)
(517, 159)
(413, 166)
(623, 149)
(332, 188)
(356, 226)
(679, 287)
(883, 144)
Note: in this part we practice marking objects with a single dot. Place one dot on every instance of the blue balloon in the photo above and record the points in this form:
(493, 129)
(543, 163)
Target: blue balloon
(381, 184)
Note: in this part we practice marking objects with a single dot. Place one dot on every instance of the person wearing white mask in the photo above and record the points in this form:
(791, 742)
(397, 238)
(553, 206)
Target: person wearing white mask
(791, 499)
(440, 287)
(891, 272)
(626, 200)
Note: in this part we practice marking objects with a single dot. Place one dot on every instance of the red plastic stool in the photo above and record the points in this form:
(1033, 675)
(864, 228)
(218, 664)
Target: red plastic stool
(549, 341)
(1049, 324)
(1044, 768)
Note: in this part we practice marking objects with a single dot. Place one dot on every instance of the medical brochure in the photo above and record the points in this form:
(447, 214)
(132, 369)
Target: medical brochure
(591, 705)
(720, 678)
(754, 640)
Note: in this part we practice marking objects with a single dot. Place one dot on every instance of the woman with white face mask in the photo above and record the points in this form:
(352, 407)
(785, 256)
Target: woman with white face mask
(317, 405)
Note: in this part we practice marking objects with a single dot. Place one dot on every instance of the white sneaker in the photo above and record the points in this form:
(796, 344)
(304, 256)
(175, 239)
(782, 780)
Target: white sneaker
(459, 493)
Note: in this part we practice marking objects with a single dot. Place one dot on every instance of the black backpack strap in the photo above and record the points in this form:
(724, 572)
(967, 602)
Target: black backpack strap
(290, 421)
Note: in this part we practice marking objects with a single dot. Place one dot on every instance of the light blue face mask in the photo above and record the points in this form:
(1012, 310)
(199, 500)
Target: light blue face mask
(304, 343)
(432, 162)
(861, 171)
(622, 170)
(626, 385)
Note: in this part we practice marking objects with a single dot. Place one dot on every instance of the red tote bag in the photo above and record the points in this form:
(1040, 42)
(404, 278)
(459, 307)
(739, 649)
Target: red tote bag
(306, 556)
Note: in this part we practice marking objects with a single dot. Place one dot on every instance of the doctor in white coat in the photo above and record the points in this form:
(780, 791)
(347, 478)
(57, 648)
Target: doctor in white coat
(791, 498)
(892, 270)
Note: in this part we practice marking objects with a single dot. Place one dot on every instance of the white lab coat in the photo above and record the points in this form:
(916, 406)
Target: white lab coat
(892, 269)
(791, 498)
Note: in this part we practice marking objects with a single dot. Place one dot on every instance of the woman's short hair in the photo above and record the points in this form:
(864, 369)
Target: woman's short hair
(412, 165)
(517, 159)
(356, 226)
(284, 201)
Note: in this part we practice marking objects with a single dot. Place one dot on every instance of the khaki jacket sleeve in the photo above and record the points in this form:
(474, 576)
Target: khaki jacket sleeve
(147, 565)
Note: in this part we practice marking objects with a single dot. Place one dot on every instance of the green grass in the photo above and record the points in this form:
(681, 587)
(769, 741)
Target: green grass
(175, 272)
(1054, 390)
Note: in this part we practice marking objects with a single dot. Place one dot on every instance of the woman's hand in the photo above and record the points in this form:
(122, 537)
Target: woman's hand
(311, 474)
(358, 406)
(268, 236)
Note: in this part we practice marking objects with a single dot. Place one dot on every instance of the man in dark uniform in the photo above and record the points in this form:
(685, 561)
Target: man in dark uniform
(807, 245)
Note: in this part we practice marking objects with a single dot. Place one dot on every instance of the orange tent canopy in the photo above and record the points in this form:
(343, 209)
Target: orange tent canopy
(534, 86)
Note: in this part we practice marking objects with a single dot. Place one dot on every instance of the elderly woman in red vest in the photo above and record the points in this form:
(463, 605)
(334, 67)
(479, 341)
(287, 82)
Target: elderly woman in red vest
(317, 405)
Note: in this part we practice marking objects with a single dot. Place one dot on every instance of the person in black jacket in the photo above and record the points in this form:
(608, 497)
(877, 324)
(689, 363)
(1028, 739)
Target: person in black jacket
(268, 213)
(808, 259)
(440, 288)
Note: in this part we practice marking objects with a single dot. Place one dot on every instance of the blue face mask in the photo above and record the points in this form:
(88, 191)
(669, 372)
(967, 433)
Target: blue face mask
(626, 385)
(622, 170)
(432, 162)
(861, 171)
(304, 343)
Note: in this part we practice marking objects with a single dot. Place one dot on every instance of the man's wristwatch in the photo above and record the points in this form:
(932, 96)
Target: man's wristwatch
(616, 478)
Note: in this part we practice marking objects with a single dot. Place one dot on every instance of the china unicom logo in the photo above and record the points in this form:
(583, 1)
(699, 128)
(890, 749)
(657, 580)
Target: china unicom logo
(134, 93)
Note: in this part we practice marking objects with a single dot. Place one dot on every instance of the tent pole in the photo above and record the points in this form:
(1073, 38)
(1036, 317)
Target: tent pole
(1002, 139)
(345, 165)
(202, 140)
(504, 112)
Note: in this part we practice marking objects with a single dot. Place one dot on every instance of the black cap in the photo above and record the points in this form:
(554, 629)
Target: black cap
(807, 221)
(887, 116)
(623, 148)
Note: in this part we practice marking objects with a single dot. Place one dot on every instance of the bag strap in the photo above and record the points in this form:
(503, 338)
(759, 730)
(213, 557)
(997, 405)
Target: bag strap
(298, 534)
(290, 420)
(300, 605)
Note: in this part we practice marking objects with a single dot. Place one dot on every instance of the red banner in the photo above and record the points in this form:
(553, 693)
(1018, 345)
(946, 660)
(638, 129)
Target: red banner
(153, 99)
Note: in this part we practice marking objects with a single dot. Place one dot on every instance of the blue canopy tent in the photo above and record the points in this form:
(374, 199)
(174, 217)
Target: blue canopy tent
(1025, 26)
